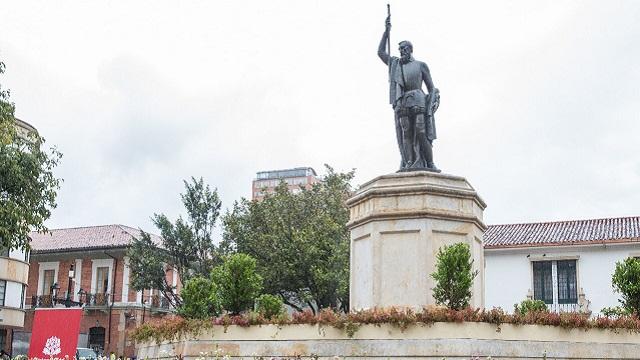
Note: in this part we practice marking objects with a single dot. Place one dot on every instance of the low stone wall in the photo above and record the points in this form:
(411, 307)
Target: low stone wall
(435, 341)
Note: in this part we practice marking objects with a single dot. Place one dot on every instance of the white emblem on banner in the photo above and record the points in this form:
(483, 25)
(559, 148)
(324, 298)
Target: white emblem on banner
(52, 347)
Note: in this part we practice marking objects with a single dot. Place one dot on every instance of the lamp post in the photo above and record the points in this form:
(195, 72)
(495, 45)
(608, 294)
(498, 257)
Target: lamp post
(81, 293)
(54, 293)
(72, 273)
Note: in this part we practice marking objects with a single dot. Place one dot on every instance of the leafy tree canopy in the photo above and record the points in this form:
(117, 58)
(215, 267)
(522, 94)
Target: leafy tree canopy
(27, 183)
(186, 245)
(300, 241)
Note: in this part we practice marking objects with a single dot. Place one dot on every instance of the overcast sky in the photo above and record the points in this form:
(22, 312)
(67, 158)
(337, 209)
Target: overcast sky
(540, 105)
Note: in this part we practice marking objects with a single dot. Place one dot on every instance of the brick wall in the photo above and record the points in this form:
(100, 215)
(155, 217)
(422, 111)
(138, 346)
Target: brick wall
(32, 282)
(123, 318)
(85, 277)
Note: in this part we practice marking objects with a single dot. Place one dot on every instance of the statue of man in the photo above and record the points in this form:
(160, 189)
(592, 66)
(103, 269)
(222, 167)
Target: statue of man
(415, 126)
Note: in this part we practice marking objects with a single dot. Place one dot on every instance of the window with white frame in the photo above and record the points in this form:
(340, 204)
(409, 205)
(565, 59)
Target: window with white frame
(48, 277)
(555, 281)
(3, 289)
(101, 275)
(102, 280)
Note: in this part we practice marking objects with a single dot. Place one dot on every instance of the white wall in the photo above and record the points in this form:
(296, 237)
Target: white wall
(509, 274)
(13, 295)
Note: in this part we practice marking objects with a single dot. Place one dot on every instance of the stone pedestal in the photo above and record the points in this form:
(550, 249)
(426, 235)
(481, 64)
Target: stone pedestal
(398, 222)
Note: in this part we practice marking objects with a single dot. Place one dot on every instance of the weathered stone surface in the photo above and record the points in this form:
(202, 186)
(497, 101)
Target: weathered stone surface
(398, 222)
(435, 341)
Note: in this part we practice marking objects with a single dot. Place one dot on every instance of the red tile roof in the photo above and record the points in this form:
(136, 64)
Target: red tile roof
(90, 237)
(574, 232)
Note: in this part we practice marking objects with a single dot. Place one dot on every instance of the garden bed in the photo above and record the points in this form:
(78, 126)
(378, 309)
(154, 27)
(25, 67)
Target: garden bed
(393, 333)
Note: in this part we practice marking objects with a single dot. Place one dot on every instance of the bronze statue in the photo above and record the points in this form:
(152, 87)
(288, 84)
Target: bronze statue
(415, 124)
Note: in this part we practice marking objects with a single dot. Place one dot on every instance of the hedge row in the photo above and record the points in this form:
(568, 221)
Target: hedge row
(178, 327)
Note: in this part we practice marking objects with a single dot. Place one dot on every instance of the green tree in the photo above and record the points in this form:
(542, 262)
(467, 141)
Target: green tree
(626, 281)
(27, 184)
(454, 276)
(238, 282)
(200, 299)
(185, 246)
(300, 241)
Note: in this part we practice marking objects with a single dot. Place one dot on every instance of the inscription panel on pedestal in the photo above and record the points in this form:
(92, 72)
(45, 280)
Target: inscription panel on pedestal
(402, 268)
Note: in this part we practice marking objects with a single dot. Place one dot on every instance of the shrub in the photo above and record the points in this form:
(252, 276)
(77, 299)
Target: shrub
(200, 299)
(614, 311)
(269, 306)
(529, 305)
(454, 276)
(175, 328)
(626, 281)
(237, 282)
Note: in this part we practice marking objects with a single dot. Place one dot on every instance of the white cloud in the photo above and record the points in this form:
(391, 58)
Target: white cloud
(539, 99)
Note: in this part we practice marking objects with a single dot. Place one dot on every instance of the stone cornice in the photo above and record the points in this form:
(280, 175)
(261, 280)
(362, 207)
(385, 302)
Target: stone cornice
(417, 214)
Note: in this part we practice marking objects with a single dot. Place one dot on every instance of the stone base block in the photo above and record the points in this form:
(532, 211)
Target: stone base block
(398, 222)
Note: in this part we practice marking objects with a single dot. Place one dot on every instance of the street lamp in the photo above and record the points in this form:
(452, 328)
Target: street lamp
(54, 293)
(54, 289)
(72, 274)
(81, 293)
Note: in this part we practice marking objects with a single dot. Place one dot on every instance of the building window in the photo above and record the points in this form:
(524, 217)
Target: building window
(3, 339)
(102, 280)
(47, 281)
(543, 281)
(556, 283)
(3, 289)
(567, 282)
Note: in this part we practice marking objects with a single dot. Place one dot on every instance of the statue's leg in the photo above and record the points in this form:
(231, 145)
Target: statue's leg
(407, 139)
(403, 162)
(418, 143)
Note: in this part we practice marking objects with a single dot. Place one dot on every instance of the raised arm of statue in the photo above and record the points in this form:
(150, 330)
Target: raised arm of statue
(382, 48)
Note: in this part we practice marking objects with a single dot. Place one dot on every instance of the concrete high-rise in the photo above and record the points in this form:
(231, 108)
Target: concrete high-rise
(296, 179)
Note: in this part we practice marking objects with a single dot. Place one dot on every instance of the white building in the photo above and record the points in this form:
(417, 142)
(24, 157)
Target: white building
(568, 264)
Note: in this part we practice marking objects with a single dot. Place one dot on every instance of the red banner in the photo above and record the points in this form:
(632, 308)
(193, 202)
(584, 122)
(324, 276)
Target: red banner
(55, 333)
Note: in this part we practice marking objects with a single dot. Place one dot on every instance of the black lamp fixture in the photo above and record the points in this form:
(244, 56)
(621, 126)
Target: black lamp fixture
(81, 293)
(54, 289)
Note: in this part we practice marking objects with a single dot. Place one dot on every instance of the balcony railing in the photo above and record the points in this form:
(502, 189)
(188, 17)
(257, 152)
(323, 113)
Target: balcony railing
(47, 301)
(94, 300)
(157, 301)
(99, 299)
(87, 299)
(563, 307)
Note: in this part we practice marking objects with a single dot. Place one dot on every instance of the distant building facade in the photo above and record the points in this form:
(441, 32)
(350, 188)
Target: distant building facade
(89, 266)
(296, 178)
(14, 272)
(24, 128)
(566, 264)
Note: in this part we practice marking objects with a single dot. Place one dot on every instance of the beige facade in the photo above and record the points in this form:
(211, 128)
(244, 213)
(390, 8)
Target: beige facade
(24, 128)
